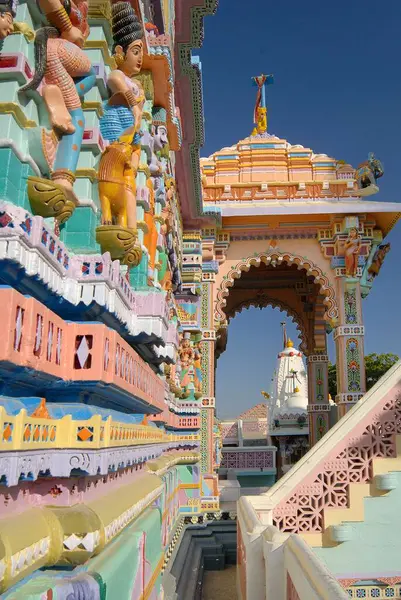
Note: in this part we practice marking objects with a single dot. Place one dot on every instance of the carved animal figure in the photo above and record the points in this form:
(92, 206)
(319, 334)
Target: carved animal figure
(117, 185)
(369, 172)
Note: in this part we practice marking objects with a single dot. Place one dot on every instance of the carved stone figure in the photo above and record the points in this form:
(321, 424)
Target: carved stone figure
(7, 15)
(121, 126)
(8, 25)
(367, 175)
(352, 249)
(67, 74)
(124, 108)
(186, 355)
(154, 143)
(378, 260)
(198, 370)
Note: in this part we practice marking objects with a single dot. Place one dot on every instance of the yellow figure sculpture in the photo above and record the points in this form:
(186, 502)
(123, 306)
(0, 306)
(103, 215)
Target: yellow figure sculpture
(117, 188)
(117, 192)
(261, 124)
(150, 238)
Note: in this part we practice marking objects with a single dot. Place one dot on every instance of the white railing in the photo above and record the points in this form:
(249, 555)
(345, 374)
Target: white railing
(279, 566)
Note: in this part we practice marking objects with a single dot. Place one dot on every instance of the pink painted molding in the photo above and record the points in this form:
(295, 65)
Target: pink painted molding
(321, 479)
(37, 338)
(171, 419)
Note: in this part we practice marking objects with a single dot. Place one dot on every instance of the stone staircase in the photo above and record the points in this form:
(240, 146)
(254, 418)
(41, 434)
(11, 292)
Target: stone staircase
(208, 548)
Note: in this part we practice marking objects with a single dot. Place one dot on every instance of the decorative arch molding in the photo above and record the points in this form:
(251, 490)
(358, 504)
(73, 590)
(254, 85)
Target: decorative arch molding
(263, 302)
(274, 258)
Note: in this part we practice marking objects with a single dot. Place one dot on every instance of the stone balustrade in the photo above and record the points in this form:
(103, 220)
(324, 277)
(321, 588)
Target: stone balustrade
(39, 344)
(24, 432)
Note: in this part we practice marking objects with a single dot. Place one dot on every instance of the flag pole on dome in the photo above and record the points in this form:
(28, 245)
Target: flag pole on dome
(284, 328)
(261, 81)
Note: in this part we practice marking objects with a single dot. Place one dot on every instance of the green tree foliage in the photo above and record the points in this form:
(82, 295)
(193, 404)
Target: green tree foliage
(376, 365)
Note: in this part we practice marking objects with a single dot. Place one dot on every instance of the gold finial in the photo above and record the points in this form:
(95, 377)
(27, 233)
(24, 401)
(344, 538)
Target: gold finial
(290, 344)
(296, 390)
(265, 395)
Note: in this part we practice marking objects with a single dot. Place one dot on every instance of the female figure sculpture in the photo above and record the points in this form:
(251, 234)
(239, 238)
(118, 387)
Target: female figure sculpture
(198, 370)
(352, 248)
(68, 75)
(124, 108)
(186, 355)
(378, 260)
(120, 125)
(7, 15)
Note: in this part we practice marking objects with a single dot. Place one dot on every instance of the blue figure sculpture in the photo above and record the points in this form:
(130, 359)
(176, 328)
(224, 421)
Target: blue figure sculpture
(367, 174)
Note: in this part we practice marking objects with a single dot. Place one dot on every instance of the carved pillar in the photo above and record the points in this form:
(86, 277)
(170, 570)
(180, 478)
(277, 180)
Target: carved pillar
(347, 253)
(318, 375)
(318, 392)
(349, 339)
(208, 390)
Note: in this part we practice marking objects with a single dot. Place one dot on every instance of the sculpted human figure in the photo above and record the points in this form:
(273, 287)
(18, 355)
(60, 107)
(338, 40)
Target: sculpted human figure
(7, 15)
(378, 260)
(186, 355)
(121, 121)
(155, 143)
(67, 75)
(352, 248)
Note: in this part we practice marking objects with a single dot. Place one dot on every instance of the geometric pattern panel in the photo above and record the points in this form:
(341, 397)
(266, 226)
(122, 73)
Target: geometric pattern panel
(247, 460)
(349, 462)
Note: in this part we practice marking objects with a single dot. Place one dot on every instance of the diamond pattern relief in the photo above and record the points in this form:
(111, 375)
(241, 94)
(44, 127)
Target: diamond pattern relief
(88, 541)
(85, 434)
(82, 352)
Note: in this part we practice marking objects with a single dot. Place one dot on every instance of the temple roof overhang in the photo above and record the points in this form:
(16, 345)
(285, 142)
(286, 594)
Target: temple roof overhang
(307, 213)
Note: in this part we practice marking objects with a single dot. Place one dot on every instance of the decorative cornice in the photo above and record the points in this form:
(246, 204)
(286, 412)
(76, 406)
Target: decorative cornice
(190, 69)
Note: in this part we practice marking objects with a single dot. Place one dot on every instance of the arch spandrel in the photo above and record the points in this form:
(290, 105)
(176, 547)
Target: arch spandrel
(304, 254)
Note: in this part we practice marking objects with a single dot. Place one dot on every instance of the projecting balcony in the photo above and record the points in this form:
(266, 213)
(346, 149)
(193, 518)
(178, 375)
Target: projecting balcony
(72, 361)
(172, 420)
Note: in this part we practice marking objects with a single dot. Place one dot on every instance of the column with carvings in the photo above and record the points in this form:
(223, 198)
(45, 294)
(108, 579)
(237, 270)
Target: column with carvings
(318, 375)
(209, 270)
(348, 245)
(349, 339)
(318, 392)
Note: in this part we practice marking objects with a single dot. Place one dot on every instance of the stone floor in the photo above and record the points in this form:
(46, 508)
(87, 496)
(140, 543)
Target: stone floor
(220, 585)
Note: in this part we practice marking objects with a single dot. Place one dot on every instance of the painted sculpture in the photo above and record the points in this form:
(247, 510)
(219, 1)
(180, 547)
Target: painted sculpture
(367, 175)
(198, 370)
(7, 15)
(186, 354)
(154, 142)
(121, 126)
(260, 111)
(378, 260)
(7, 23)
(352, 248)
(67, 75)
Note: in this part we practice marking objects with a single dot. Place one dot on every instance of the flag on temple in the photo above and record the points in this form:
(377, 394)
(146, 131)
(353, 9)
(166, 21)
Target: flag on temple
(260, 81)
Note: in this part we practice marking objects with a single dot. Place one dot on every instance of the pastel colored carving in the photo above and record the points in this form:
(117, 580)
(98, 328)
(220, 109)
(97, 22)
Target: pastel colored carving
(67, 75)
(352, 248)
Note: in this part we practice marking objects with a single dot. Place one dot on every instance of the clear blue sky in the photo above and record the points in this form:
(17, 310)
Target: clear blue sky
(338, 91)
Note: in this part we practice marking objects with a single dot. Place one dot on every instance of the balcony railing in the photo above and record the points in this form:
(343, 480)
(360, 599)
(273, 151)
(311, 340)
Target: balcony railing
(36, 339)
(23, 432)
